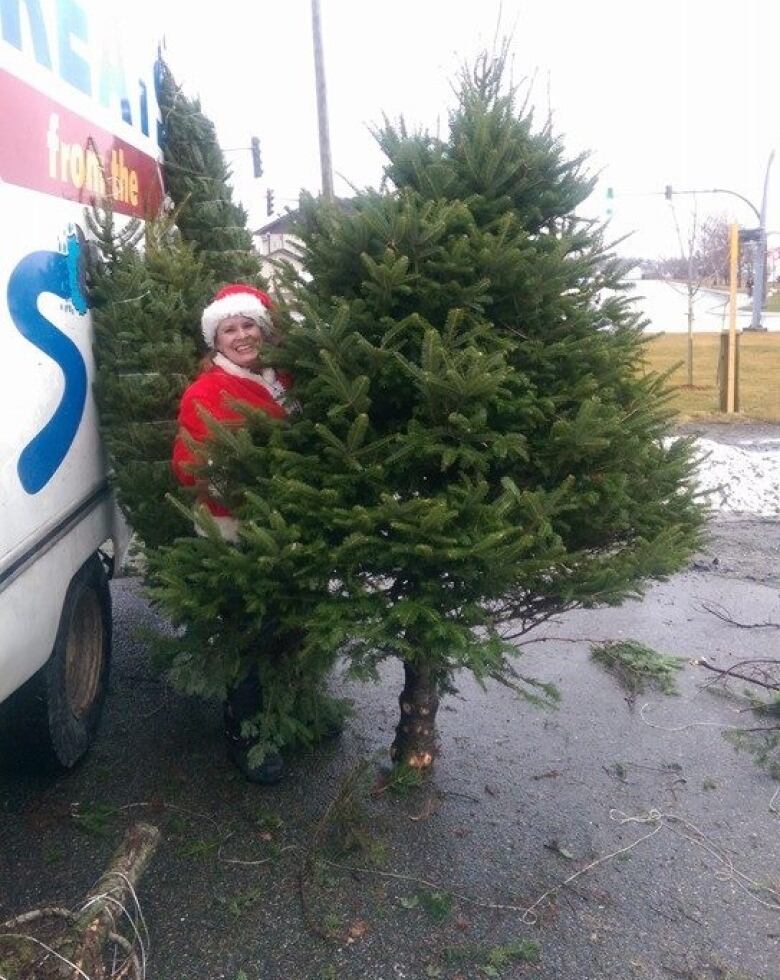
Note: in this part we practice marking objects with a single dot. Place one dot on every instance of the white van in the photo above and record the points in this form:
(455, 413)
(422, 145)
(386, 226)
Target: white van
(79, 122)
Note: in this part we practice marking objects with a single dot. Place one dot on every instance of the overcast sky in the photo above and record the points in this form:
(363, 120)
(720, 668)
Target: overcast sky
(680, 92)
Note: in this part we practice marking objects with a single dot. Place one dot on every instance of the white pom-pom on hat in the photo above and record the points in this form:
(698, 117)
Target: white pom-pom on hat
(237, 299)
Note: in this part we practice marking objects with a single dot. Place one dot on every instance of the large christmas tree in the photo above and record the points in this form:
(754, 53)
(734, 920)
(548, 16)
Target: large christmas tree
(477, 448)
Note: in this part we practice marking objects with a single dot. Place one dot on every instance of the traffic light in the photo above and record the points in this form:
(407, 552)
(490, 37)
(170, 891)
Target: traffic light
(610, 199)
(269, 202)
(257, 160)
(668, 192)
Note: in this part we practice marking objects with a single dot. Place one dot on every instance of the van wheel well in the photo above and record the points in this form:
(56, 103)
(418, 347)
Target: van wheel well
(57, 712)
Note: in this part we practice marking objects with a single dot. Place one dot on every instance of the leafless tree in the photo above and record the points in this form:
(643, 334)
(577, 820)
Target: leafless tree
(694, 277)
(703, 262)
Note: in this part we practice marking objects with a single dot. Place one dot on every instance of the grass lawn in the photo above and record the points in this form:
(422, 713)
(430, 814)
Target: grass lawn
(759, 373)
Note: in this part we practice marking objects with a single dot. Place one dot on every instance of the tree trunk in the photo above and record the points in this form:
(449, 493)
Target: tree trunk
(415, 735)
(74, 941)
(689, 358)
(119, 882)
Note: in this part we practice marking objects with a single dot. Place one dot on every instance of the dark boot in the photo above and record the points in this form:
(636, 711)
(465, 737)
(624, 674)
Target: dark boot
(244, 701)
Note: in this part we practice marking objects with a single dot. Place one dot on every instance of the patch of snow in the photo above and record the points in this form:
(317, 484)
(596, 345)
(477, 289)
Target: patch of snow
(743, 479)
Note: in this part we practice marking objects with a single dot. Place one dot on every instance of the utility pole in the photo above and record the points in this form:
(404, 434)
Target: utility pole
(731, 361)
(759, 259)
(322, 104)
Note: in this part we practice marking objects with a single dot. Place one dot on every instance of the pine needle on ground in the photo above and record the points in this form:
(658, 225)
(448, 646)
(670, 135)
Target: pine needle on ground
(638, 668)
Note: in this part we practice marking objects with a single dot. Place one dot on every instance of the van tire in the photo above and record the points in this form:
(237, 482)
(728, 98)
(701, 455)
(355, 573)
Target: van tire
(66, 696)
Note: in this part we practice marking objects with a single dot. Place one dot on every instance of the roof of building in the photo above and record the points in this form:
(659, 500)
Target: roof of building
(280, 254)
(283, 224)
(279, 226)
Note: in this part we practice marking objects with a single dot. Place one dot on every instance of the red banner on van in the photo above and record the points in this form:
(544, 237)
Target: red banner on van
(62, 154)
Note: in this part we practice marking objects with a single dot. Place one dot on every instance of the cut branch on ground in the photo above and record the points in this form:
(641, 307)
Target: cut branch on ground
(54, 943)
(720, 612)
(638, 667)
(749, 671)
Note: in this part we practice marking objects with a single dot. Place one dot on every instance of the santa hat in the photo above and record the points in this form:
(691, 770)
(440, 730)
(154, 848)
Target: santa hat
(235, 300)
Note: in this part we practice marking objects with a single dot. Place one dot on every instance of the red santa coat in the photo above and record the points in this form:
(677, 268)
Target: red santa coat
(212, 395)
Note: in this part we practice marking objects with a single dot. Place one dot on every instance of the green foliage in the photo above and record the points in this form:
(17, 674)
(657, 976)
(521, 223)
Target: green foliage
(53, 855)
(96, 819)
(217, 594)
(639, 667)
(147, 300)
(242, 902)
(201, 848)
(437, 904)
(768, 708)
(351, 829)
(476, 449)
(476, 446)
(492, 960)
(499, 957)
(147, 305)
(144, 307)
(764, 746)
(268, 821)
(403, 779)
(762, 741)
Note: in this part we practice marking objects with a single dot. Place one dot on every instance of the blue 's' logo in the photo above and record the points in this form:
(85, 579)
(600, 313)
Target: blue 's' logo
(50, 272)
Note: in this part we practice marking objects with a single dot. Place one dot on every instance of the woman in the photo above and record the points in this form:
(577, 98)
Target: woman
(235, 326)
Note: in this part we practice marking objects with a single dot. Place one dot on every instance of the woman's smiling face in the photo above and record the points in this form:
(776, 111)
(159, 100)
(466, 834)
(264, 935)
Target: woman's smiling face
(239, 339)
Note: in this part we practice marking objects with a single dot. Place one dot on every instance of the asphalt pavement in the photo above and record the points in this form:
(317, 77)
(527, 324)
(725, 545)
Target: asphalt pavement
(642, 842)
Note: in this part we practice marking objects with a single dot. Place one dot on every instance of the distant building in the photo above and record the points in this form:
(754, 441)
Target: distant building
(275, 244)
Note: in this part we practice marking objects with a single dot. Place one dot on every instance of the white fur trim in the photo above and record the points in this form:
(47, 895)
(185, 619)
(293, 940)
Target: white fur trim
(239, 304)
(266, 376)
(227, 527)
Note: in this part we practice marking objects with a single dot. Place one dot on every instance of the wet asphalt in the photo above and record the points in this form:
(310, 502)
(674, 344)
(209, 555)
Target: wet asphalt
(522, 799)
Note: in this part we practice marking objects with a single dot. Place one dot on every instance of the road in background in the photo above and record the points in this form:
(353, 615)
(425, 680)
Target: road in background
(665, 304)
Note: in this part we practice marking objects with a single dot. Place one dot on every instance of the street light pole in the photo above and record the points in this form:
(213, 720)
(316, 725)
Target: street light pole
(670, 192)
(759, 259)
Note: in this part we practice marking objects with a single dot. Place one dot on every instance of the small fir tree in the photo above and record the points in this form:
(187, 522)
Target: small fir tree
(477, 449)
